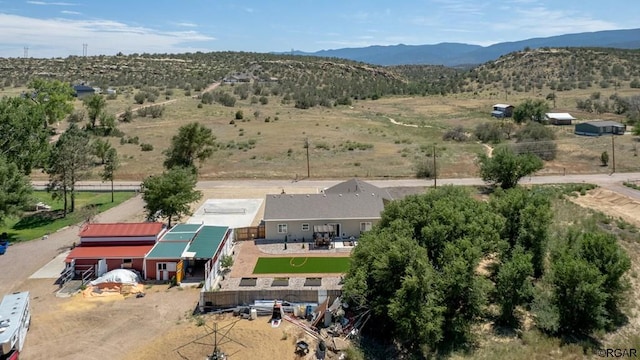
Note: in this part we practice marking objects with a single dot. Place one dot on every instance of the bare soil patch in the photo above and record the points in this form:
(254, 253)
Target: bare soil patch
(101, 327)
(612, 204)
(257, 340)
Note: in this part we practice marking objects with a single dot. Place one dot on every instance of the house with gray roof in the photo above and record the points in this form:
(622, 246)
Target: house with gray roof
(602, 127)
(345, 210)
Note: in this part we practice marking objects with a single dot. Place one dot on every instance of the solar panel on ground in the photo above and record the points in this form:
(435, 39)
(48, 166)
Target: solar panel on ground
(248, 281)
(280, 282)
(313, 282)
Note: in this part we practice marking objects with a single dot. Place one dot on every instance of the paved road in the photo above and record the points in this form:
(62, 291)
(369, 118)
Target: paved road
(599, 179)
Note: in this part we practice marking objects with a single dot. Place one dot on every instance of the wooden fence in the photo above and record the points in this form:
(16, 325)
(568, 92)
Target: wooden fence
(211, 300)
(250, 233)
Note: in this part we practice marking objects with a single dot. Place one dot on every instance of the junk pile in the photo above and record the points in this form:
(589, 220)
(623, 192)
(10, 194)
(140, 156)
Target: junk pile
(331, 323)
(115, 282)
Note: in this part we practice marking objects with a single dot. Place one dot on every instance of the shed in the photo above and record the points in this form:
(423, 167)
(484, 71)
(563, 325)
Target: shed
(82, 91)
(502, 110)
(121, 234)
(558, 118)
(602, 127)
(105, 258)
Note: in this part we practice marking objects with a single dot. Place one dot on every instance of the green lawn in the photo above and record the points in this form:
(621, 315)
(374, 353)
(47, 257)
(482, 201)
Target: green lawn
(33, 225)
(301, 265)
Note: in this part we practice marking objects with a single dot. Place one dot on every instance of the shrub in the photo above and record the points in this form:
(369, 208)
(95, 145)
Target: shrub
(489, 132)
(426, 170)
(239, 115)
(139, 97)
(146, 147)
(76, 116)
(456, 134)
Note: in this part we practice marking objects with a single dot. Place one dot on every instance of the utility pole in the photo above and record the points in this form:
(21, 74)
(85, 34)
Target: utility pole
(84, 49)
(613, 152)
(306, 145)
(26, 52)
(435, 170)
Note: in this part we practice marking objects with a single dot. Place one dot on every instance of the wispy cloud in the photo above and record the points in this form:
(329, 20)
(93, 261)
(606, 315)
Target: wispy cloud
(540, 21)
(249, 10)
(69, 12)
(64, 36)
(185, 24)
(50, 3)
(462, 7)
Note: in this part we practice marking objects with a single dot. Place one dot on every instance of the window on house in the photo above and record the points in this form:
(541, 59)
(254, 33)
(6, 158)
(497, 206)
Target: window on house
(365, 226)
(126, 263)
(282, 228)
(305, 227)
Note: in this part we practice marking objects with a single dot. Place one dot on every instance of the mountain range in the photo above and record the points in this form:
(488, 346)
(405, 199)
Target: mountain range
(459, 54)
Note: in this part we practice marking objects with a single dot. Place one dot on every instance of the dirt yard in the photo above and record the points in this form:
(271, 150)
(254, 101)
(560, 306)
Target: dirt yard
(247, 340)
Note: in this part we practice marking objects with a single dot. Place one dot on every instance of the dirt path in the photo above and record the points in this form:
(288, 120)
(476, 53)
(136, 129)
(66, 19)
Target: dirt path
(489, 150)
(207, 89)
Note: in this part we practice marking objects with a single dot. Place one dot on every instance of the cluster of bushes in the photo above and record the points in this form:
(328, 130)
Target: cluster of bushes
(147, 94)
(129, 140)
(221, 97)
(155, 111)
(241, 145)
(455, 134)
(352, 145)
(537, 139)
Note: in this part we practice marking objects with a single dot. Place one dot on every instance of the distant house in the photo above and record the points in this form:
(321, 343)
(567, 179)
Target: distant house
(558, 118)
(345, 210)
(597, 128)
(82, 91)
(502, 110)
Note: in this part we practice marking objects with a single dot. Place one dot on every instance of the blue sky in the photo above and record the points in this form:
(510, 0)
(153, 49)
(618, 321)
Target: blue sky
(58, 28)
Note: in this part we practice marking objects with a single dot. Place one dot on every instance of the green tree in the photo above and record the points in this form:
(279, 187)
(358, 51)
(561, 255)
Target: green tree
(111, 164)
(416, 270)
(391, 277)
(552, 97)
(68, 163)
(193, 142)
(604, 158)
(100, 149)
(513, 284)
(55, 98)
(15, 189)
(95, 105)
(505, 168)
(169, 195)
(579, 294)
(530, 110)
(603, 251)
(24, 142)
(528, 217)
(108, 124)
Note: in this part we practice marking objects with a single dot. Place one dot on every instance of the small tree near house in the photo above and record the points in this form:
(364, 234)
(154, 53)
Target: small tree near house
(604, 158)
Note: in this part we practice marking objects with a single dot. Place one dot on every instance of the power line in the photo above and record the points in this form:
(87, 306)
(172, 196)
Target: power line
(84, 49)
(26, 52)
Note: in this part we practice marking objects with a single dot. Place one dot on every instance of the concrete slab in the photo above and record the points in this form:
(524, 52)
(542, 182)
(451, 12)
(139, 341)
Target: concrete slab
(234, 213)
(51, 270)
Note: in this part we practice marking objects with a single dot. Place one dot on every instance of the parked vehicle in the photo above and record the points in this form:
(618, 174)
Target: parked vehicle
(15, 318)
(3, 246)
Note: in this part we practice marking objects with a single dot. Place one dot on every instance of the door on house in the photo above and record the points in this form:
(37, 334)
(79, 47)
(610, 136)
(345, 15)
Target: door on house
(102, 267)
(162, 273)
(337, 229)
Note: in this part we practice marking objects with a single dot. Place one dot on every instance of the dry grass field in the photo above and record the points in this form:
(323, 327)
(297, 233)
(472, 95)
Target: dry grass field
(371, 138)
